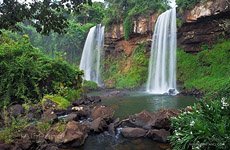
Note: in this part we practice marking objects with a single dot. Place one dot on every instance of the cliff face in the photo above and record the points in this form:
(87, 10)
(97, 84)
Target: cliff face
(142, 32)
(204, 24)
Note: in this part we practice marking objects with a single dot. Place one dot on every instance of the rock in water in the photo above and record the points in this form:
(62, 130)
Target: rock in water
(133, 132)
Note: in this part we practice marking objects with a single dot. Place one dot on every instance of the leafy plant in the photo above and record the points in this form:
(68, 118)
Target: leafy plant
(26, 74)
(205, 127)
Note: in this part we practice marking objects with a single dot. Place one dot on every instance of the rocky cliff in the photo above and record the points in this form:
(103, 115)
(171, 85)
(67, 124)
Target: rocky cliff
(142, 32)
(204, 24)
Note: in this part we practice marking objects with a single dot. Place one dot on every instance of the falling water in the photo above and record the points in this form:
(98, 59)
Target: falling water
(91, 56)
(162, 67)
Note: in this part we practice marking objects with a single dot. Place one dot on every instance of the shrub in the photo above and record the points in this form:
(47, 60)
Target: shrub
(128, 27)
(89, 85)
(26, 74)
(128, 72)
(206, 127)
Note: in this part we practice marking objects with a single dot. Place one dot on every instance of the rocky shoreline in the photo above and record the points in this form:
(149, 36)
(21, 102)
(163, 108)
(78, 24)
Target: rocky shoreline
(70, 128)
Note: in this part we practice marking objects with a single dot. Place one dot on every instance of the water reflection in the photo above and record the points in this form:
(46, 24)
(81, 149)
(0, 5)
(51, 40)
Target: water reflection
(135, 102)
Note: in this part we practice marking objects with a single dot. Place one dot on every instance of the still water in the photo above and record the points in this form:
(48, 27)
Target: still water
(129, 104)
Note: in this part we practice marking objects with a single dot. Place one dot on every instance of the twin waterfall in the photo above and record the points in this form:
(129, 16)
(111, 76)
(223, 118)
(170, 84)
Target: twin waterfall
(162, 64)
(91, 55)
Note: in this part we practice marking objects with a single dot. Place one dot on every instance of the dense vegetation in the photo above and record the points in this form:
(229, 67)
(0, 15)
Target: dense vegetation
(206, 126)
(127, 71)
(208, 71)
(27, 74)
(45, 16)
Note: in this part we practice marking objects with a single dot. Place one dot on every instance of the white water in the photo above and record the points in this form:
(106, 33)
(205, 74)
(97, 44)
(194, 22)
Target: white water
(162, 65)
(91, 56)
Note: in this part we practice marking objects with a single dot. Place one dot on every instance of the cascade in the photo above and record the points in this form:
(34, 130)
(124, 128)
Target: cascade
(91, 55)
(162, 65)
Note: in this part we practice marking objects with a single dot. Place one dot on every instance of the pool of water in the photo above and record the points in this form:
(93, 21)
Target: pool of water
(135, 102)
(132, 103)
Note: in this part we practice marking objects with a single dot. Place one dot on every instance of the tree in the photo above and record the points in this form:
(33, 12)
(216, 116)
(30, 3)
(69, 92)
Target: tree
(45, 16)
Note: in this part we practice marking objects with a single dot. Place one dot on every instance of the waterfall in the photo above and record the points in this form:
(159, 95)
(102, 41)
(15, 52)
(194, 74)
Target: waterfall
(162, 65)
(91, 55)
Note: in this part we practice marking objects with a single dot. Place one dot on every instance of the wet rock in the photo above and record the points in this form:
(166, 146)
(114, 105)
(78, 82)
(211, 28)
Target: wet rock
(87, 100)
(4, 146)
(16, 110)
(74, 135)
(98, 125)
(71, 117)
(49, 147)
(162, 118)
(147, 120)
(111, 129)
(49, 116)
(103, 112)
(83, 112)
(144, 119)
(133, 132)
(159, 135)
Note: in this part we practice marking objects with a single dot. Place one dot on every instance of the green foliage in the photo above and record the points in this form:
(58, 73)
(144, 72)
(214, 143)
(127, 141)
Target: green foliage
(205, 127)
(70, 44)
(207, 71)
(27, 74)
(89, 85)
(91, 13)
(11, 130)
(187, 4)
(128, 27)
(43, 127)
(61, 102)
(119, 10)
(123, 72)
(45, 16)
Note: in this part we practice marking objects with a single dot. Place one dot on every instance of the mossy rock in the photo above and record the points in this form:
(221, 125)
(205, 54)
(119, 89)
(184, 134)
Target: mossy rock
(55, 102)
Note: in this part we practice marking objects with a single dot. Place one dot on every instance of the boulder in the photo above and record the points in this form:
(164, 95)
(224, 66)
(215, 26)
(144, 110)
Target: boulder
(48, 147)
(133, 132)
(158, 135)
(103, 112)
(143, 119)
(34, 112)
(4, 146)
(74, 135)
(87, 100)
(16, 110)
(98, 125)
(71, 117)
(162, 118)
(158, 120)
(49, 116)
